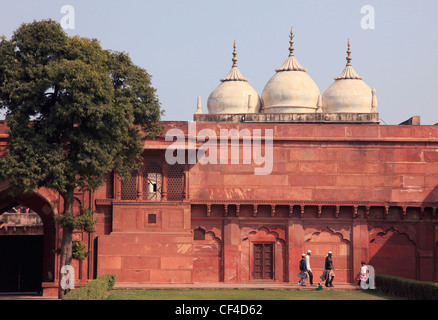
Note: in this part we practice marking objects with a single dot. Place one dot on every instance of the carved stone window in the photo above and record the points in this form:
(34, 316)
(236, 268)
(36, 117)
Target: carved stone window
(175, 183)
(129, 188)
(152, 181)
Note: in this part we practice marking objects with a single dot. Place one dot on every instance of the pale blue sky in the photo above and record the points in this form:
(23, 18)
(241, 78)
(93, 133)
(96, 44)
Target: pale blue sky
(187, 45)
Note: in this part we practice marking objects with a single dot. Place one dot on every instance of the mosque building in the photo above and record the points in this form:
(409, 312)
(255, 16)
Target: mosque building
(334, 179)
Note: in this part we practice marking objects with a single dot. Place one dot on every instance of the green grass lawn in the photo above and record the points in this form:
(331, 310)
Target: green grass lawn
(244, 294)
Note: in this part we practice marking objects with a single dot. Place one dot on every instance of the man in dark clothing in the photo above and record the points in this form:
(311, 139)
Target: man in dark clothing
(303, 271)
(329, 270)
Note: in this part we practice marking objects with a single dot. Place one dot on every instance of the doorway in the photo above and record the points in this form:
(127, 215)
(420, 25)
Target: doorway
(21, 261)
(263, 261)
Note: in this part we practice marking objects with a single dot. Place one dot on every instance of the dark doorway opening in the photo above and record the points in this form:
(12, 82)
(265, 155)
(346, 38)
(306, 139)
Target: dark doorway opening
(21, 261)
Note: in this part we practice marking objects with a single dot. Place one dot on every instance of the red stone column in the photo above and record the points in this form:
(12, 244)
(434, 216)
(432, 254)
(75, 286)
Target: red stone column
(140, 186)
(425, 248)
(359, 246)
(435, 241)
(231, 250)
(165, 171)
(295, 245)
(186, 195)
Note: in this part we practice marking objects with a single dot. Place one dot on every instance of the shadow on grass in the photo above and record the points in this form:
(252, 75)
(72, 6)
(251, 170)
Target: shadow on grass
(377, 293)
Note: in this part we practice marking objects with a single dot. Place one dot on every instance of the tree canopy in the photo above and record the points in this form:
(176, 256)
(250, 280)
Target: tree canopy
(74, 110)
(74, 113)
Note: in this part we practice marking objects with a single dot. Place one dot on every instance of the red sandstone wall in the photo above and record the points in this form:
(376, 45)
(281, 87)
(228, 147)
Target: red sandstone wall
(146, 258)
(312, 162)
(140, 252)
(336, 164)
(329, 162)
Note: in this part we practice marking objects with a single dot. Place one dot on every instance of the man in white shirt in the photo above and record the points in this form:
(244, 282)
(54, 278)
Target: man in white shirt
(309, 270)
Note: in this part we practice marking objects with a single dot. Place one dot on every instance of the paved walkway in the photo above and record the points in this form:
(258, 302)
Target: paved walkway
(24, 296)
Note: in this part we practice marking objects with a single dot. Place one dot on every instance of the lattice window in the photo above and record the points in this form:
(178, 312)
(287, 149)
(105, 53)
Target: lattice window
(152, 181)
(129, 188)
(175, 183)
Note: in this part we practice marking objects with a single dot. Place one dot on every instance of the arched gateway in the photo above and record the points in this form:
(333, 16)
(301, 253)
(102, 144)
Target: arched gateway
(27, 252)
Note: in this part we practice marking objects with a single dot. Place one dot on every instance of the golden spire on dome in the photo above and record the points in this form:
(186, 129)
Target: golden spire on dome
(291, 63)
(291, 42)
(349, 52)
(234, 74)
(234, 55)
(349, 72)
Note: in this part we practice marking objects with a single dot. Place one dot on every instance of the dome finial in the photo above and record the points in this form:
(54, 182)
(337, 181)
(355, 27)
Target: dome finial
(291, 63)
(234, 74)
(291, 42)
(348, 52)
(234, 55)
(349, 72)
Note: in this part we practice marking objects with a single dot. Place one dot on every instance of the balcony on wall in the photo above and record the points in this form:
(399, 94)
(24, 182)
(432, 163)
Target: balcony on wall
(153, 183)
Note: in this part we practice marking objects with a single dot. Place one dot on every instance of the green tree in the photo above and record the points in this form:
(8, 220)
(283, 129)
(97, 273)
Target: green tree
(74, 112)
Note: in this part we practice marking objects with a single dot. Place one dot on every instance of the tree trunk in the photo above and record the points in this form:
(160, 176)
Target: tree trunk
(66, 245)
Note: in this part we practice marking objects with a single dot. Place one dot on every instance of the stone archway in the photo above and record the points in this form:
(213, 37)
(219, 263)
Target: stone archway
(328, 240)
(39, 203)
(263, 256)
(207, 256)
(393, 253)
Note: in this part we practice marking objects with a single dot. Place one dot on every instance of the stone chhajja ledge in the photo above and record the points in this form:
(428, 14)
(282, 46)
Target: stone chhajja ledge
(291, 204)
(362, 118)
(302, 204)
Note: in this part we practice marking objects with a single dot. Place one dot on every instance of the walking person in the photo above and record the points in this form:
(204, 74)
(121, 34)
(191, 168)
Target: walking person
(330, 275)
(303, 271)
(309, 270)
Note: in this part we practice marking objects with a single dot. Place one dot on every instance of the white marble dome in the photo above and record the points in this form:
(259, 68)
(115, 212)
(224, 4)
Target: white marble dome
(234, 94)
(290, 92)
(291, 89)
(349, 93)
(234, 97)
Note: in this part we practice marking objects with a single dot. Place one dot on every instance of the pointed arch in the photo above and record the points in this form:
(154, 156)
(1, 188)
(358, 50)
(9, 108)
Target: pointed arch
(332, 233)
(391, 230)
(393, 253)
(262, 232)
(207, 256)
(263, 255)
(320, 243)
(44, 203)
